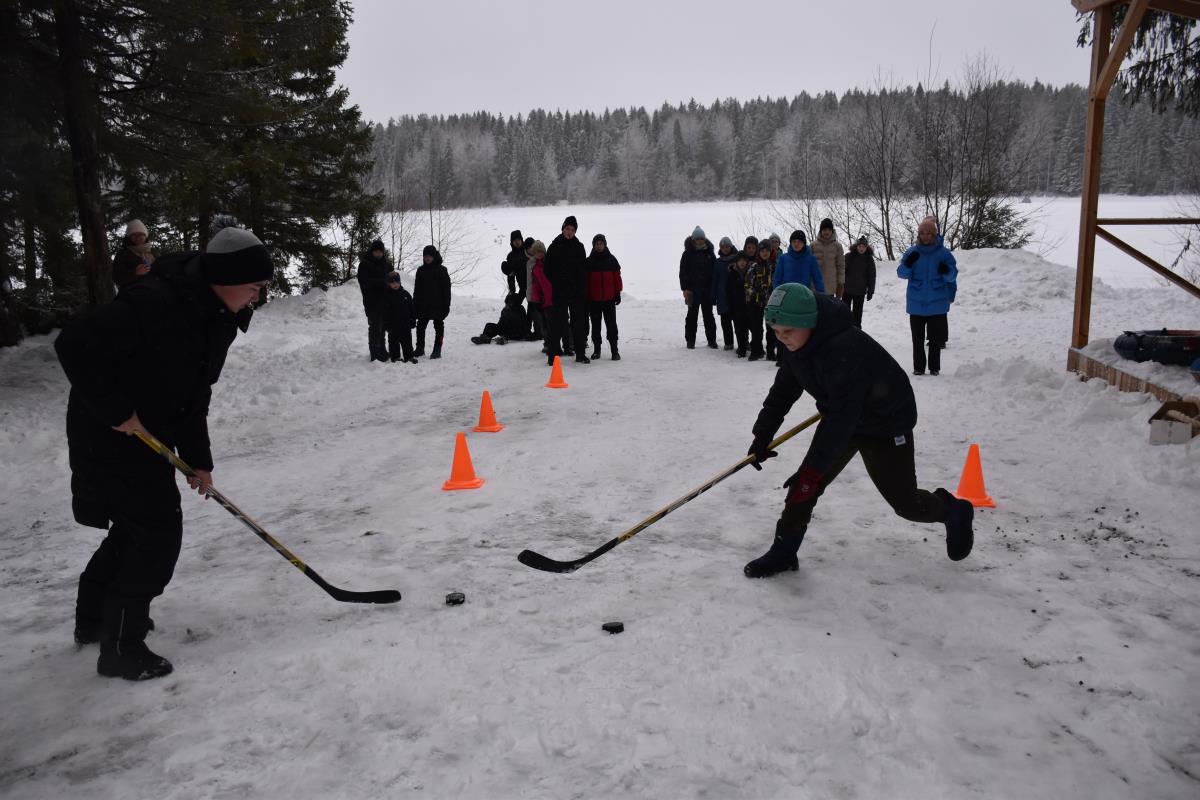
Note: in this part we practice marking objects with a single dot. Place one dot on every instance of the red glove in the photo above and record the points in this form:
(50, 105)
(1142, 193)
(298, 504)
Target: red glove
(804, 486)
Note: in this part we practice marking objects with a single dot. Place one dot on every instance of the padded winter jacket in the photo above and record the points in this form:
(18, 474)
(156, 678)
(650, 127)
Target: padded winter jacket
(431, 290)
(540, 289)
(831, 259)
(398, 309)
(157, 349)
(801, 268)
(860, 272)
(603, 277)
(696, 269)
(858, 387)
(372, 281)
(758, 283)
(514, 268)
(564, 266)
(930, 289)
(720, 279)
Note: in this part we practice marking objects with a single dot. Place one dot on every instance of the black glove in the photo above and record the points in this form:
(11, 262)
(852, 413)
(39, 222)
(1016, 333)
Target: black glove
(617, 299)
(759, 450)
(912, 258)
(504, 267)
(943, 268)
(869, 295)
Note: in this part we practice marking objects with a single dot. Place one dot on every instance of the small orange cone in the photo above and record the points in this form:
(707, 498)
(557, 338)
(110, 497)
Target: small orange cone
(556, 376)
(462, 474)
(970, 486)
(487, 417)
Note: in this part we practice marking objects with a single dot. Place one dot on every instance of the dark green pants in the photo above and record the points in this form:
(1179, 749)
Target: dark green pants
(890, 465)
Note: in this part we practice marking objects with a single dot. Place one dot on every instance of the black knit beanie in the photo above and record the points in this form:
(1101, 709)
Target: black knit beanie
(571, 221)
(429, 250)
(599, 237)
(798, 234)
(826, 223)
(515, 236)
(235, 256)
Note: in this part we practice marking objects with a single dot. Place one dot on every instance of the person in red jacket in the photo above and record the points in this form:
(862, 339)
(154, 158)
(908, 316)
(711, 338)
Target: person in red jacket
(603, 293)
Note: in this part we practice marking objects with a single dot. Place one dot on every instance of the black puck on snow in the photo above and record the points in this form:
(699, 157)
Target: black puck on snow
(613, 627)
(455, 599)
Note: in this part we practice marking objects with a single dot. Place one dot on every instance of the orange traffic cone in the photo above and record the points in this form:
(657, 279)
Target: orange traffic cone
(462, 474)
(970, 486)
(487, 417)
(556, 376)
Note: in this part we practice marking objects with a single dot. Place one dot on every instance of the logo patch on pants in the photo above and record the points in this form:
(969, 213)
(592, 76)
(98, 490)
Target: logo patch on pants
(899, 440)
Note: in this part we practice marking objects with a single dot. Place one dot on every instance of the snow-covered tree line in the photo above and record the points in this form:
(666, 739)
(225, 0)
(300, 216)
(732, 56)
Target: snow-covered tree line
(1008, 138)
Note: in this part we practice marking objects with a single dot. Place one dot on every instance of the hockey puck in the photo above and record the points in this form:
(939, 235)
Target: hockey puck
(455, 599)
(613, 627)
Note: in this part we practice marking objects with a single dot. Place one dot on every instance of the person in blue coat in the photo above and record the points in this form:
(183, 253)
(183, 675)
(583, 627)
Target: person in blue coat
(932, 276)
(799, 265)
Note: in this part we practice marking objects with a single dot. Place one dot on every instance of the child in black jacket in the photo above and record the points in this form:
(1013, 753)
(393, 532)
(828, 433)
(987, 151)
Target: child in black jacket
(398, 320)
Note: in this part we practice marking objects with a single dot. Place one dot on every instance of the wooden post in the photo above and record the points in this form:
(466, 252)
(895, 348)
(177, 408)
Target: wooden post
(1090, 200)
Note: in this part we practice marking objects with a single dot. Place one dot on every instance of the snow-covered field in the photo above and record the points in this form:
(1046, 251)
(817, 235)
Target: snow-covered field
(1060, 660)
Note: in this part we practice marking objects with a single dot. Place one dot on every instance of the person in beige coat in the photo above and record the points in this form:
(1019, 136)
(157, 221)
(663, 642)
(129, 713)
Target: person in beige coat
(831, 257)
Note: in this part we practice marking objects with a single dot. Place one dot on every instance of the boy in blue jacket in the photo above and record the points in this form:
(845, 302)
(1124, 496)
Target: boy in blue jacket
(799, 265)
(932, 276)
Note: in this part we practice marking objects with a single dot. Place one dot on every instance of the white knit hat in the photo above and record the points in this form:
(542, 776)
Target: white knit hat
(135, 226)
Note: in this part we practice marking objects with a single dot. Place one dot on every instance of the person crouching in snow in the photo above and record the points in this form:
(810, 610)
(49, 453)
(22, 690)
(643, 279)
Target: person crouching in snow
(868, 409)
(398, 320)
(603, 293)
(147, 362)
(512, 325)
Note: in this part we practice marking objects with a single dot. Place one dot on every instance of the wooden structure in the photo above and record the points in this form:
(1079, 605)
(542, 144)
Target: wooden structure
(1107, 55)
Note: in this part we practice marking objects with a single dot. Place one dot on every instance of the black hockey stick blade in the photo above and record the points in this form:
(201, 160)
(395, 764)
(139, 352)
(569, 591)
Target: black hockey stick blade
(545, 564)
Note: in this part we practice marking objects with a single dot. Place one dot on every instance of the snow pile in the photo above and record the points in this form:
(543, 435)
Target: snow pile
(1058, 660)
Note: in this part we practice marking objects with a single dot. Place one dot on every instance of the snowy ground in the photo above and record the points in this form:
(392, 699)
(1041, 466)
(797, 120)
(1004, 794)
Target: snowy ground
(1060, 660)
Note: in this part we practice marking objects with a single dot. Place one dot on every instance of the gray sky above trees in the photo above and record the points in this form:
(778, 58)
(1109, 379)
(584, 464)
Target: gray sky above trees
(454, 56)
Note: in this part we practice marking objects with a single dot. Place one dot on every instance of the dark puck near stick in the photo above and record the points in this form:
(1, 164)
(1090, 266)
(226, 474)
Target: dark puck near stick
(613, 627)
(455, 599)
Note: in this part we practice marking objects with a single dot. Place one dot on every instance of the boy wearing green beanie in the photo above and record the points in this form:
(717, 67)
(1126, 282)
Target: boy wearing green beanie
(867, 408)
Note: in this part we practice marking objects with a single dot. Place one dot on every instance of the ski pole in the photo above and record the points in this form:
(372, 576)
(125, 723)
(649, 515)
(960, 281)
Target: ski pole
(344, 595)
(538, 561)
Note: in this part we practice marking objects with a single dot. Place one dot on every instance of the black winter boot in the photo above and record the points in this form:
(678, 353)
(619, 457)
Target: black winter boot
(595, 351)
(481, 339)
(960, 537)
(781, 557)
(123, 651)
(612, 346)
(437, 348)
(580, 358)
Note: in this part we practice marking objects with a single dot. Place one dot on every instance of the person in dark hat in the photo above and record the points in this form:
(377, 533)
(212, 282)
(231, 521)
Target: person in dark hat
(431, 299)
(603, 294)
(867, 409)
(565, 266)
(147, 363)
(513, 266)
(831, 258)
(373, 269)
(860, 278)
(697, 266)
(398, 320)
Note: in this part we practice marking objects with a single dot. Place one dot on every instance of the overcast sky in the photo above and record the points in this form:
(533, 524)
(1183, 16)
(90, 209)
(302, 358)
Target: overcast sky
(452, 56)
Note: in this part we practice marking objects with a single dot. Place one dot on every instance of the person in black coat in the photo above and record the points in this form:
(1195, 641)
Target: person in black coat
(735, 301)
(513, 266)
(565, 266)
(398, 320)
(867, 408)
(134, 259)
(513, 324)
(146, 363)
(431, 297)
(373, 269)
(697, 266)
(860, 278)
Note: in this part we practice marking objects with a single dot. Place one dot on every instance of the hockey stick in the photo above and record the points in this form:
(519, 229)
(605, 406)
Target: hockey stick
(344, 595)
(539, 561)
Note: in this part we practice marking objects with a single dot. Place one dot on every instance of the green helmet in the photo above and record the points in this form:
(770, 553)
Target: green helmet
(792, 305)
